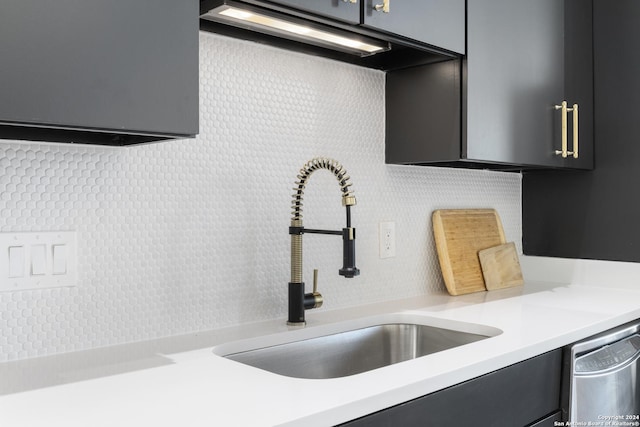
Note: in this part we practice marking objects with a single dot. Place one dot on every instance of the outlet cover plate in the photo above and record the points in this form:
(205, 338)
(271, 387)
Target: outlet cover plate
(387, 238)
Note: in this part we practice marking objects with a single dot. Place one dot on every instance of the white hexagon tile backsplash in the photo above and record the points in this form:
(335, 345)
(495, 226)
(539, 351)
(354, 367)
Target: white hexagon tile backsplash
(190, 235)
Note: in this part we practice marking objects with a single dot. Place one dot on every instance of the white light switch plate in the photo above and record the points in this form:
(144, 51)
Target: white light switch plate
(38, 260)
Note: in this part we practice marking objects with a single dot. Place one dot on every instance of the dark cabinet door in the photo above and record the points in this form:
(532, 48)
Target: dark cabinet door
(594, 215)
(344, 10)
(439, 23)
(523, 58)
(518, 395)
(121, 67)
(515, 75)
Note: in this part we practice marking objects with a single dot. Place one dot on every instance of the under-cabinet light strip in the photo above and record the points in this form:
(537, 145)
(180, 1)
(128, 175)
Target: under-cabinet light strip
(264, 21)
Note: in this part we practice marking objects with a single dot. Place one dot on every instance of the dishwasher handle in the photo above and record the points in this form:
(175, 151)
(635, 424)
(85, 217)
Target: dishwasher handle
(609, 358)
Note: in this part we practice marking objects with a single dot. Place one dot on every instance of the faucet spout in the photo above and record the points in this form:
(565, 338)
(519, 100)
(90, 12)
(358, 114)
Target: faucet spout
(298, 300)
(349, 268)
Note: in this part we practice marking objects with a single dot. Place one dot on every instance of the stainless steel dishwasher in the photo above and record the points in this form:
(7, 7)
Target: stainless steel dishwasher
(602, 379)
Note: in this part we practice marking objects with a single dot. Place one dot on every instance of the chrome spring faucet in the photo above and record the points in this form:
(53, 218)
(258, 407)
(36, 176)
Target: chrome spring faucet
(299, 301)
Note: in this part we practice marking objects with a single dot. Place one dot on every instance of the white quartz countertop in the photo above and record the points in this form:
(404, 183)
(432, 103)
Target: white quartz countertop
(180, 381)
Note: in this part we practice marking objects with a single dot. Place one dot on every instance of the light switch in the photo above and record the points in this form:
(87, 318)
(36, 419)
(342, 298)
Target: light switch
(16, 261)
(59, 259)
(38, 260)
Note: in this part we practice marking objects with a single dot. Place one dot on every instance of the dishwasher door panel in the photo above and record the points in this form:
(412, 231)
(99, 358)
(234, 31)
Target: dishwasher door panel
(607, 395)
(605, 376)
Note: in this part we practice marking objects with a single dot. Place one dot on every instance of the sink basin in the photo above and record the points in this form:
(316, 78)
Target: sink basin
(385, 342)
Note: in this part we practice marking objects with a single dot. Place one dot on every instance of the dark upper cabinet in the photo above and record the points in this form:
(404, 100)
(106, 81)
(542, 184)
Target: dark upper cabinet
(344, 10)
(411, 32)
(99, 71)
(594, 215)
(436, 22)
(523, 58)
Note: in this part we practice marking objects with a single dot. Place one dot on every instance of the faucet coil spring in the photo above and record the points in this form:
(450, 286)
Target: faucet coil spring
(348, 199)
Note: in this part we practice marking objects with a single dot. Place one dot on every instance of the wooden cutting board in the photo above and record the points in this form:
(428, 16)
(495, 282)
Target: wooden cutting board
(460, 234)
(501, 267)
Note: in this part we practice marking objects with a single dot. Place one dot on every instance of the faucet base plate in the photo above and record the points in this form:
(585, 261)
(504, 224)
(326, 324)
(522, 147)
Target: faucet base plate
(296, 324)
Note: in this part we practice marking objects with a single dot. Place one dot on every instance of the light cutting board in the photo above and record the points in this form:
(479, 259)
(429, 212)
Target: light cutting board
(501, 267)
(459, 235)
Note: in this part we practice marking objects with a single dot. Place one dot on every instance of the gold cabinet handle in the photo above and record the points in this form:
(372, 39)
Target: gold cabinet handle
(384, 7)
(563, 152)
(575, 131)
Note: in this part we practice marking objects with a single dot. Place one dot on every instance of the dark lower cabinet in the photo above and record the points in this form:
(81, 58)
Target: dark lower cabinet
(524, 394)
(550, 421)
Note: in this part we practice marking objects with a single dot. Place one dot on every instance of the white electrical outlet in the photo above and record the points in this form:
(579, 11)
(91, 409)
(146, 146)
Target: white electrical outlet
(387, 238)
(38, 260)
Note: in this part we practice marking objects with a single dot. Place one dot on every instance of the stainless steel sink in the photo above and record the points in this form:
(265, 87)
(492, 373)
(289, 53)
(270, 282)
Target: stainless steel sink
(355, 351)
